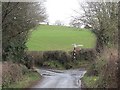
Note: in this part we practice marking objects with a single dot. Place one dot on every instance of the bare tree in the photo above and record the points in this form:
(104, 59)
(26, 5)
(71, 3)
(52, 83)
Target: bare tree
(75, 23)
(102, 16)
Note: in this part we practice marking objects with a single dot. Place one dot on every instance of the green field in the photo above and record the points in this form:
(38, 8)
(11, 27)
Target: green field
(48, 37)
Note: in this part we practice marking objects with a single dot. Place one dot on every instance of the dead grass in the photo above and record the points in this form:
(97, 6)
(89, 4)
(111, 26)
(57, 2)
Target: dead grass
(0, 74)
(109, 71)
(12, 72)
(106, 67)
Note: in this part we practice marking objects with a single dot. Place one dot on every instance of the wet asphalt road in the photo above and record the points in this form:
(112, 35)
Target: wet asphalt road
(60, 78)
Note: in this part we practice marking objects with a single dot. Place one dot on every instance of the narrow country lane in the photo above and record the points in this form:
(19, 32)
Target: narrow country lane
(60, 78)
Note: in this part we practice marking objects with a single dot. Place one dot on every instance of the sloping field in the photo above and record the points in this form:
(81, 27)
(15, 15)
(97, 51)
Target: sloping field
(47, 37)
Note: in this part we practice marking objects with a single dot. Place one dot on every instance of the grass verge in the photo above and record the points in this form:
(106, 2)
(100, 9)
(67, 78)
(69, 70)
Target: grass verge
(27, 80)
(89, 81)
(80, 64)
(53, 64)
(57, 65)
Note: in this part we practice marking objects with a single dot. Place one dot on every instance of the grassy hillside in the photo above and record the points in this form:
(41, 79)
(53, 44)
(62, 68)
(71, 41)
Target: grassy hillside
(47, 37)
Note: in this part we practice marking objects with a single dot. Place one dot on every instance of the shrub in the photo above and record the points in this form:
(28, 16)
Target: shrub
(105, 67)
(12, 72)
(28, 61)
(35, 57)
(53, 64)
(65, 58)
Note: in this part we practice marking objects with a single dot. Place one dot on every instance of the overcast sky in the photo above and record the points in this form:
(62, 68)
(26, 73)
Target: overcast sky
(61, 10)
